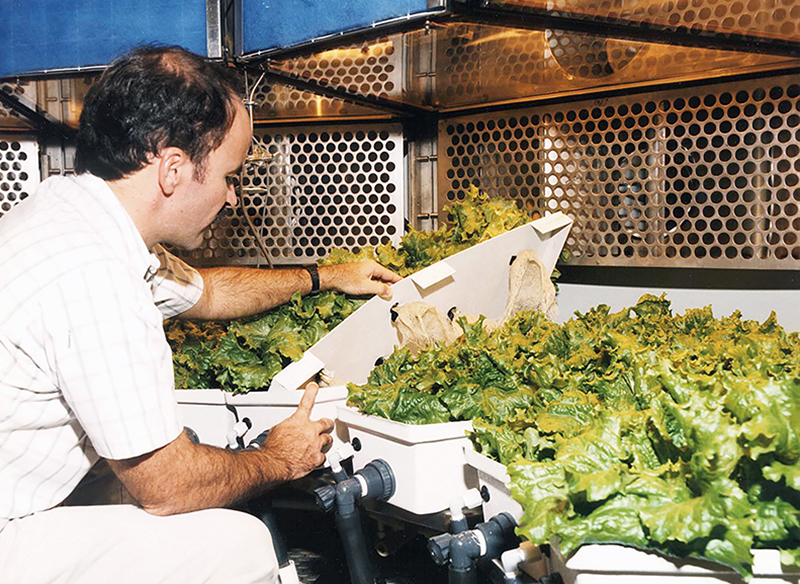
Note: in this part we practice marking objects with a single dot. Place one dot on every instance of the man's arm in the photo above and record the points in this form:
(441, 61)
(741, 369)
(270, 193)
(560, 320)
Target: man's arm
(183, 476)
(233, 292)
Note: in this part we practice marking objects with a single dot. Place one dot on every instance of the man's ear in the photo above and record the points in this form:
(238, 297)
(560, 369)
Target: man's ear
(174, 166)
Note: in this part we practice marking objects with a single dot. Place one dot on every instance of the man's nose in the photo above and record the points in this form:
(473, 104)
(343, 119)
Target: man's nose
(231, 198)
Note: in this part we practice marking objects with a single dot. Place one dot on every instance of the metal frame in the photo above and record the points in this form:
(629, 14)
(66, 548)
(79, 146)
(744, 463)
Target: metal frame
(397, 25)
(398, 109)
(492, 12)
(214, 28)
(46, 125)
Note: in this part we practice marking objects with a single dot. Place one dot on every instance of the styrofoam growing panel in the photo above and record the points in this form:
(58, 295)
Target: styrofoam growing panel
(475, 281)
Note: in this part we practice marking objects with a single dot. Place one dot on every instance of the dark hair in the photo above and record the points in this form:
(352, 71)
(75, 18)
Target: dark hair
(150, 99)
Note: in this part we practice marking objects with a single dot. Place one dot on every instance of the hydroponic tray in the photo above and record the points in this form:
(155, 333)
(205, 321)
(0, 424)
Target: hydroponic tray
(427, 460)
(493, 481)
(617, 564)
(475, 281)
(212, 413)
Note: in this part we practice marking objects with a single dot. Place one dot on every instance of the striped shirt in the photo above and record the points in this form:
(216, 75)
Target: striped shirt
(85, 368)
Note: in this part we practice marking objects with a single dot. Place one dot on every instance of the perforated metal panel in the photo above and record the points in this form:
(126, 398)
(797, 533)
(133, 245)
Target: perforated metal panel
(276, 101)
(767, 18)
(19, 169)
(372, 68)
(701, 177)
(479, 63)
(320, 188)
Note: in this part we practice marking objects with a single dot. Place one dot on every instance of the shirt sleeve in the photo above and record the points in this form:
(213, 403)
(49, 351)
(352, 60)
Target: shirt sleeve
(113, 362)
(176, 286)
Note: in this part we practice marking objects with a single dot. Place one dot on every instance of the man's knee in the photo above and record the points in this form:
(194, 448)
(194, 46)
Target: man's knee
(245, 546)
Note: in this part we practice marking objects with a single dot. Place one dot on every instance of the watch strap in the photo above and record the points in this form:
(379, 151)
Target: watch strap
(313, 271)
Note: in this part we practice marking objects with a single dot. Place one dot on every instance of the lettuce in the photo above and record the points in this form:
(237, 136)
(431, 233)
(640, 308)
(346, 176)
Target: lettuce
(244, 355)
(678, 433)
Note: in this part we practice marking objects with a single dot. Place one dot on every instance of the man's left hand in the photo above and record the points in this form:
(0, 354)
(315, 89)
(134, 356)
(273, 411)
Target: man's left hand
(359, 278)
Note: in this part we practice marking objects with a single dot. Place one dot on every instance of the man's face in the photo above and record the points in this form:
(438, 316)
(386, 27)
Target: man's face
(206, 198)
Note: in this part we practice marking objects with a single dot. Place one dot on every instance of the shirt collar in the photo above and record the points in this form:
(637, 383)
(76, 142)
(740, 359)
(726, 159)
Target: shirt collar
(122, 231)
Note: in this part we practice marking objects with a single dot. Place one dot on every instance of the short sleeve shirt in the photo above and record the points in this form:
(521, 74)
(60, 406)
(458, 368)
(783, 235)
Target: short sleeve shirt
(84, 363)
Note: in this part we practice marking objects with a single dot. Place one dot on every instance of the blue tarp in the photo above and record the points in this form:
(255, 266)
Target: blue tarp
(42, 35)
(270, 24)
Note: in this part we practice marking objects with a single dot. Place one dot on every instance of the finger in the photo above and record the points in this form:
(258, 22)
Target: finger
(378, 288)
(325, 425)
(307, 401)
(386, 293)
(327, 443)
(384, 274)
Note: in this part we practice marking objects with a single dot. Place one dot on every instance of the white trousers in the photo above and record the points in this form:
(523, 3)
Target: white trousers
(122, 544)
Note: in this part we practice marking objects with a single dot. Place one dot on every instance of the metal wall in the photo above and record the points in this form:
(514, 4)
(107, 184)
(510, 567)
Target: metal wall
(703, 176)
(19, 169)
(311, 189)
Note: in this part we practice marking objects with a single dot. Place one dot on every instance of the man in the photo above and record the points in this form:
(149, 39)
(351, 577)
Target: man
(85, 370)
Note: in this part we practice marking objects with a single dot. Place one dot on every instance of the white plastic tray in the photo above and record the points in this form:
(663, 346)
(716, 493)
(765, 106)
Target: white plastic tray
(493, 480)
(203, 410)
(212, 413)
(475, 281)
(427, 460)
(611, 564)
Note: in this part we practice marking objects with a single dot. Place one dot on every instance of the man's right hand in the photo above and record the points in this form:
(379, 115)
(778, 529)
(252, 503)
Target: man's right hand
(183, 476)
(298, 444)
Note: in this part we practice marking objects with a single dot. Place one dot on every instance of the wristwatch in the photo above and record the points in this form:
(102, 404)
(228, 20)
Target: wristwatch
(314, 273)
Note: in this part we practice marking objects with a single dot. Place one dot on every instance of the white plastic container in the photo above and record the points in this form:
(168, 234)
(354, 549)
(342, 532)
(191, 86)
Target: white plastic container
(616, 564)
(203, 410)
(427, 460)
(493, 480)
(212, 413)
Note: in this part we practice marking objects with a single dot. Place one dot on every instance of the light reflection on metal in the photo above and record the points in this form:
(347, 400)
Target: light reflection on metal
(478, 65)
(534, 65)
(701, 177)
(776, 19)
(354, 52)
(499, 36)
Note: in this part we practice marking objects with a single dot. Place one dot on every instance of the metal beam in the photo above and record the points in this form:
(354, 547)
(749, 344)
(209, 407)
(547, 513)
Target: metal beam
(532, 18)
(273, 75)
(41, 121)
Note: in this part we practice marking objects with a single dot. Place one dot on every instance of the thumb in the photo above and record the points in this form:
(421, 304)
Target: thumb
(386, 293)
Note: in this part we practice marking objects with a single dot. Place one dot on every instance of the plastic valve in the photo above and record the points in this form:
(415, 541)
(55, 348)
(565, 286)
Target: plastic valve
(326, 497)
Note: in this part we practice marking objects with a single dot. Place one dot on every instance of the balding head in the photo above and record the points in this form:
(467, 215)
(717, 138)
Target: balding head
(150, 99)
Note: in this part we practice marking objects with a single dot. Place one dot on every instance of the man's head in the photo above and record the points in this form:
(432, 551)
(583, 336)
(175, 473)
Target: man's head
(150, 99)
